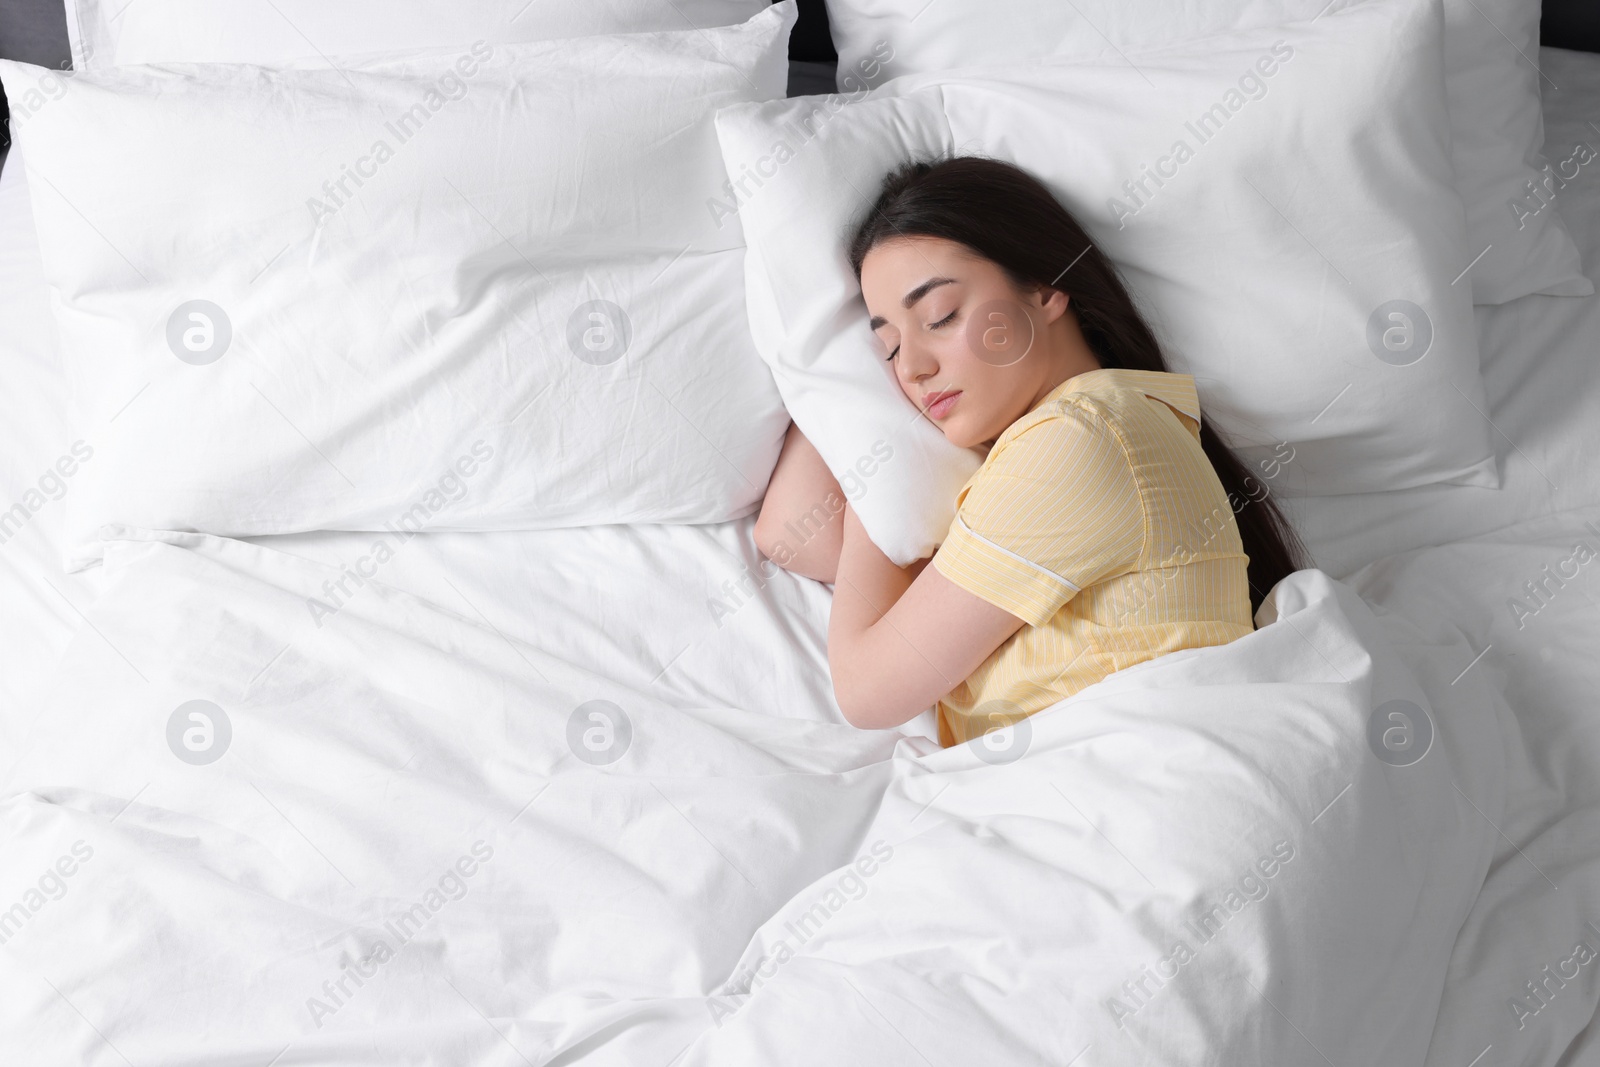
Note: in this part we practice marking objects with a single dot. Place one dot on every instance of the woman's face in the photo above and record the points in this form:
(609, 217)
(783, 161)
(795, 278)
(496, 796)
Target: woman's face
(970, 350)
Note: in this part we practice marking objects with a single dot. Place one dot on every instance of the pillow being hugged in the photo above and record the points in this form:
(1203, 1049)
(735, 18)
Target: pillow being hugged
(1278, 200)
(1517, 241)
(467, 290)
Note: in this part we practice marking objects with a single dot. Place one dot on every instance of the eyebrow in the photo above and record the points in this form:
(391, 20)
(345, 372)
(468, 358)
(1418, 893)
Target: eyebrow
(912, 297)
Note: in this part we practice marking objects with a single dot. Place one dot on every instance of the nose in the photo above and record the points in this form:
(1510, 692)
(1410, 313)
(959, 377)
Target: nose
(914, 363)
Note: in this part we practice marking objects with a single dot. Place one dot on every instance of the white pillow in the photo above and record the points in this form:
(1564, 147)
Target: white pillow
(1492, 84)
(107, 33)
(456, 291)
(1491, 50)
(1268, 262)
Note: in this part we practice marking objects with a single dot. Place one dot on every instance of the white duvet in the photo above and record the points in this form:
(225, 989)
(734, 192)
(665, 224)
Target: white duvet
(402, 834)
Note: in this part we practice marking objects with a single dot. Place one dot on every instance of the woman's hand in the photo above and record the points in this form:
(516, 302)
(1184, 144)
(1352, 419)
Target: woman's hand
(899, 639)
(801, 525)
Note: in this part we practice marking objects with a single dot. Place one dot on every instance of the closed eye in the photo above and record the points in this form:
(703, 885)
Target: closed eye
(932, 326)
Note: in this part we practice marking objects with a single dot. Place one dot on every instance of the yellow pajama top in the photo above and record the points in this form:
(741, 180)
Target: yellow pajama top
(1097, 520)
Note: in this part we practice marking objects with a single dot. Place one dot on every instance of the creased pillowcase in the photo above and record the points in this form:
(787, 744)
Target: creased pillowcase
(475, 290)
(1298, 261)
(107, 33)
(1491, 78)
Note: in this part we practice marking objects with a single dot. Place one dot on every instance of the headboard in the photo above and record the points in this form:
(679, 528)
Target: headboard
(810, 42)
(1571, 24)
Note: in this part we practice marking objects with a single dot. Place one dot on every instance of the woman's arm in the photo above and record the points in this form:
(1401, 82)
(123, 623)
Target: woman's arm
(900, 639)
(801, 525)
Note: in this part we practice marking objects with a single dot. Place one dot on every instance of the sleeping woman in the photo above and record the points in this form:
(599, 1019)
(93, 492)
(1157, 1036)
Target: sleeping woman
(1108, 524)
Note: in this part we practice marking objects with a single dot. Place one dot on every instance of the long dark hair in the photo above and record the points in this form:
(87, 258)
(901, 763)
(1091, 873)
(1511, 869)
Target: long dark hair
(1009, 217)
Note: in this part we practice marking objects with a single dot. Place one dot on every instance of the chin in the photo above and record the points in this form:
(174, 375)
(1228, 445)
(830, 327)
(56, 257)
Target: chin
(964, 429)
(956, 436)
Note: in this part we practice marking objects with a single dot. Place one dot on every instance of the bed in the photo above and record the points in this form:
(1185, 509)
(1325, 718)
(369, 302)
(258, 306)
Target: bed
(582, 794)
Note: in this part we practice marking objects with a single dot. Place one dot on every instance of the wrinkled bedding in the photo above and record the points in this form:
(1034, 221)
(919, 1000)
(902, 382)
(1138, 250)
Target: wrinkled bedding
(397, 833)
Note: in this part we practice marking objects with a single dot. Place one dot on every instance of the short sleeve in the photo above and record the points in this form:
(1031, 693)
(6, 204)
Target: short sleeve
(1054, 510)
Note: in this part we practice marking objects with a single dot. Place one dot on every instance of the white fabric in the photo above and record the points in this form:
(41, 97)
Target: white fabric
(1507, 181)
(108, 33)
(42, 604)
(612, 912)
(1538, 357)
(1265, 278)
(468, 291)
(1492, 84)
(1543, 382)
(654, 584)
(1528, 600)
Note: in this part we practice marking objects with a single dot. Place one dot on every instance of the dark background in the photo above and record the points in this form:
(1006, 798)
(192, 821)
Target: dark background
(35, 31)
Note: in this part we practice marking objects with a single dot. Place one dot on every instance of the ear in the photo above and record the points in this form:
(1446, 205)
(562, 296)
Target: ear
(1051, 302)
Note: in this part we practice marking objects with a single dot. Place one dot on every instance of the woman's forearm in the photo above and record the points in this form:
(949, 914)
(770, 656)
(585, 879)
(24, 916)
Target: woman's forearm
(801, 519)
(868, 585)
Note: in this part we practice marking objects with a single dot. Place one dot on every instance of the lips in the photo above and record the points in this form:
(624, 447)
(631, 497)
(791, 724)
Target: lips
(938, 404)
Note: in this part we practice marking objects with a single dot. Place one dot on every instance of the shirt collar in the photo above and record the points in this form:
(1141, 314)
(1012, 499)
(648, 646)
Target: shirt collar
(1176, 390)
